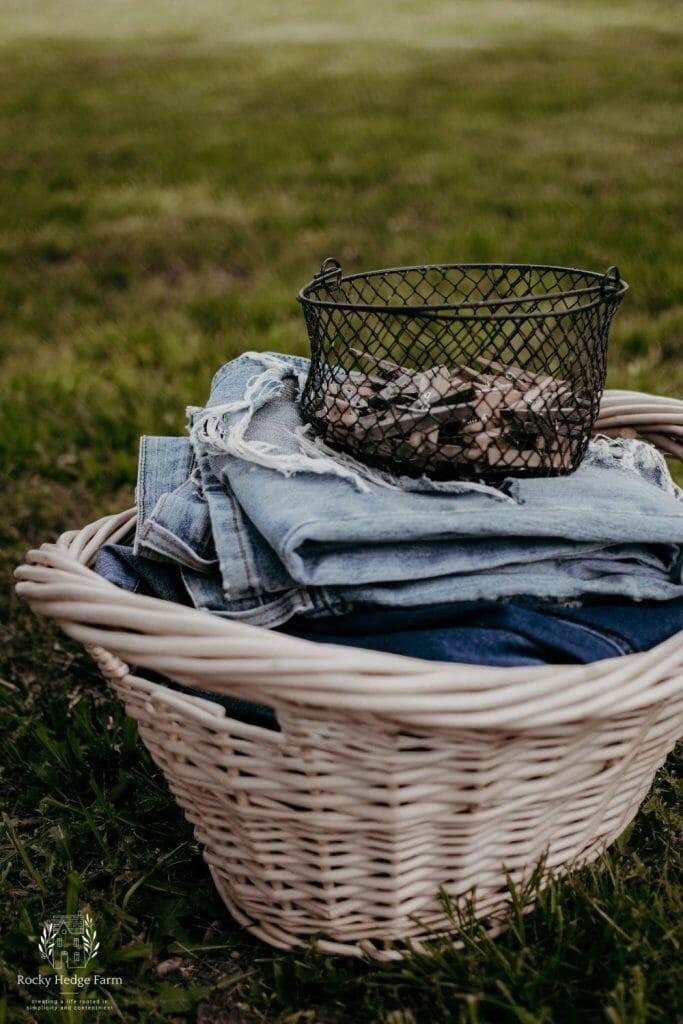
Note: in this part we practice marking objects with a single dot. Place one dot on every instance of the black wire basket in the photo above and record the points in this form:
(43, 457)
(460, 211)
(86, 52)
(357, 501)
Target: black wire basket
(459, 371)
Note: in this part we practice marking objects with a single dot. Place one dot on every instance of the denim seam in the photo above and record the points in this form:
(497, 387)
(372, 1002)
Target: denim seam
(201, 546)
(292, 604)
(175, 545)
(246, 557)
(270, 615)
(141, 495)
(294, 531)
(334, 605)
(619, 645)
(292, 600)
(588, 548)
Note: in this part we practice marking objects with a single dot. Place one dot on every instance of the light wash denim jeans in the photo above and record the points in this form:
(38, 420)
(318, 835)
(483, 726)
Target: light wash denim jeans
(297, 530)
(178, 514)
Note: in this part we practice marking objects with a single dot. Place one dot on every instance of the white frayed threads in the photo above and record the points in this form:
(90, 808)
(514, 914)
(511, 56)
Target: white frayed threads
(314, 447)
(636, 456)
(310, 444)
(209, 429)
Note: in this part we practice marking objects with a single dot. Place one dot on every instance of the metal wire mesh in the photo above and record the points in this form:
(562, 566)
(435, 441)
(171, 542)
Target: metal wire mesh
(459, 370)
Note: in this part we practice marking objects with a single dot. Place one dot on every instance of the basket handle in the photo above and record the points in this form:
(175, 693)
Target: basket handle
(330, 273)
(611, 280)
(652, 418)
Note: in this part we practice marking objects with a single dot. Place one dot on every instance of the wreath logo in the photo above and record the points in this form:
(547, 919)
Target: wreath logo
(69, 941)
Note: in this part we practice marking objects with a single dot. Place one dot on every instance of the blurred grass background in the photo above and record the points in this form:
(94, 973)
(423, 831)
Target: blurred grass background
(170, 174)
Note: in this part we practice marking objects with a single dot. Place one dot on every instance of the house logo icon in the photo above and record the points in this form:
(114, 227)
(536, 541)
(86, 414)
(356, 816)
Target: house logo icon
(68, 941)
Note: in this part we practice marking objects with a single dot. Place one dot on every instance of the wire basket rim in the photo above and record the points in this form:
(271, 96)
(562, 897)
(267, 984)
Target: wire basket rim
(602, 288)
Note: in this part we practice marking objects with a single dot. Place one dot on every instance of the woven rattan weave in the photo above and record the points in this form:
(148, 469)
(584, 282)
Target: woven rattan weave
(392, 778)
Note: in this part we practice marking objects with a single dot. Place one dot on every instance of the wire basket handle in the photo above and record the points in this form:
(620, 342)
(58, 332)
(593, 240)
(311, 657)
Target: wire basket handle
(330, 273)
(611, 280)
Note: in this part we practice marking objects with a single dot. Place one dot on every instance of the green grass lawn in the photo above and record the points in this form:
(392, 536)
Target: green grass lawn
(170, 174)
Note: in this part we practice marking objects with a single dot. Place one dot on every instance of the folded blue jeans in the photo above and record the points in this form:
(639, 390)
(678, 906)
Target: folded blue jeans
(297, 530)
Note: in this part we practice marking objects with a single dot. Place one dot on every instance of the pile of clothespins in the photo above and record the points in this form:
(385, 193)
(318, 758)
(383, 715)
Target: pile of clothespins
(495, 418)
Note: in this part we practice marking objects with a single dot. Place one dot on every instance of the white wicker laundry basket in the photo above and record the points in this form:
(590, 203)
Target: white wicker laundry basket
(392, 778)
